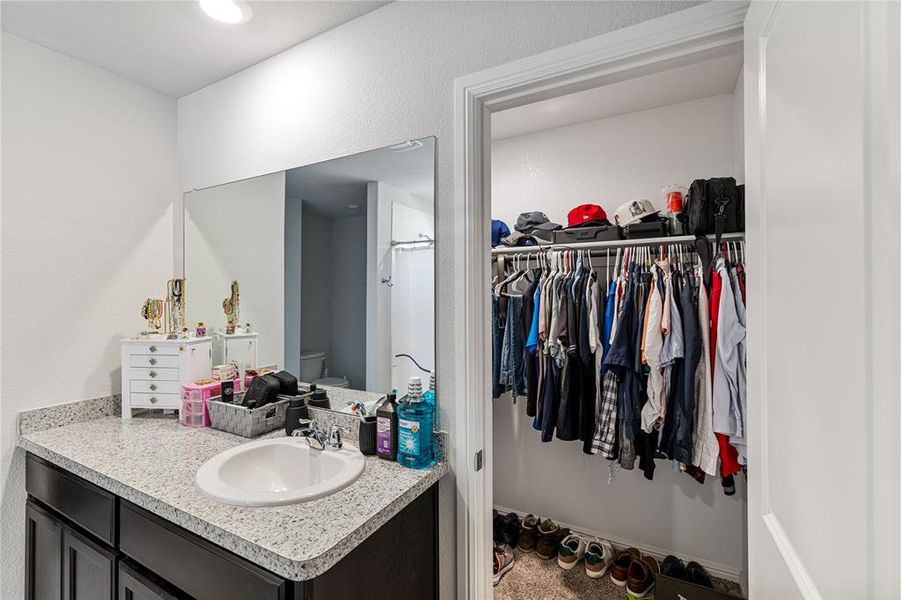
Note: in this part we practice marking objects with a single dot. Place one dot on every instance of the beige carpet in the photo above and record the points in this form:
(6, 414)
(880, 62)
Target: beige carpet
(532, 578)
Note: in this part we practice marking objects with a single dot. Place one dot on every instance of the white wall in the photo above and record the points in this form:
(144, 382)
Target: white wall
(612, 160)
(89, 178)
(372, 82)
(236, 232)
(608, 162)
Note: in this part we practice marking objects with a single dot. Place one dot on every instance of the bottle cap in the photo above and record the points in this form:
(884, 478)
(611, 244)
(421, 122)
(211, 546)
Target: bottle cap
(415, 386)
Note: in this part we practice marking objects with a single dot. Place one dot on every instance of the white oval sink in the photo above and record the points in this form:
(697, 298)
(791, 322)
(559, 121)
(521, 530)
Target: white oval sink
(277, 471)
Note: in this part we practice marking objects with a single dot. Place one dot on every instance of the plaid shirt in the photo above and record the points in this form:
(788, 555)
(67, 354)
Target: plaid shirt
(604, 441)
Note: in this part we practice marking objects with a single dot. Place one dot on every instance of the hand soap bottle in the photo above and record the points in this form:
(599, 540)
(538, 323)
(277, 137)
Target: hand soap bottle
(414, 429)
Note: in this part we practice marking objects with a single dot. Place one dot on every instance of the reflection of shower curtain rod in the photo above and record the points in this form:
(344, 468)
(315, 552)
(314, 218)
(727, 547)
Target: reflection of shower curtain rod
(412, 242)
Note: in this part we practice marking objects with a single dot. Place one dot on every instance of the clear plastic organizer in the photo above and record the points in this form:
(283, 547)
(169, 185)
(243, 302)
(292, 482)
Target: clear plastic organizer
(247, 422)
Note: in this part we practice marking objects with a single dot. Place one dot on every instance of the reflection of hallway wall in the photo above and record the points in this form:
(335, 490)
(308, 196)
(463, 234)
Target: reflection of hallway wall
(236, 232)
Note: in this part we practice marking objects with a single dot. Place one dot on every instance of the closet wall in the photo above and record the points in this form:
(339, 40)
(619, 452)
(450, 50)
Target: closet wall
(608, 162)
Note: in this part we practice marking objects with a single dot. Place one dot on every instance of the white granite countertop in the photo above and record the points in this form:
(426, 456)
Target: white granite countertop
(152, 462)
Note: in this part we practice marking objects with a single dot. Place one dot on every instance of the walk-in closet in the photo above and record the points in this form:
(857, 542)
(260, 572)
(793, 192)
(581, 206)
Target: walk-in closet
(585, 188)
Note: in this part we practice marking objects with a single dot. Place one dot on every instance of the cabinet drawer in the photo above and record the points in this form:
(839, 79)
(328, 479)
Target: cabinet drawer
(166, 550)
(155, 400)
(80, 501)
(153, 373)
(154, 386)
(152, 360)
(155, 348)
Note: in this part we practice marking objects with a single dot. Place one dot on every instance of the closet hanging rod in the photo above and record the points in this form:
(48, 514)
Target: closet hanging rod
(660, 241)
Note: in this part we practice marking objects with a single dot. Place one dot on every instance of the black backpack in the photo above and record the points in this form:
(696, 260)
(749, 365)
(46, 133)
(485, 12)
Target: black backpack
(715, 206)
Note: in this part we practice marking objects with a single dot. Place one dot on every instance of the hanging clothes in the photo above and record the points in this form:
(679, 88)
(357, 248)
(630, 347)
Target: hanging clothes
(645, 365)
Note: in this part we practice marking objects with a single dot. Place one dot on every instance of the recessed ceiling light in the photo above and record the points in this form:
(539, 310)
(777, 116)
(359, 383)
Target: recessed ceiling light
(353, 206)
(231, 12)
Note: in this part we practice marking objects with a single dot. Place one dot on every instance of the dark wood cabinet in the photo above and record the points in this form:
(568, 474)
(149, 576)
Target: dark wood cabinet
(134, 585)
(43, 554)
(84, 543)
(89, 569)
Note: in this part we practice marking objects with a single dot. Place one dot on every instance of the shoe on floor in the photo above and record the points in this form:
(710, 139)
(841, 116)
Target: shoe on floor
(674, 567)
(528, 533)
(503, 561)
(549, 536)
(510, 529)
(698, 575)
(598, 558)
(642, 576)
(572, 550)
(498, 522)
(619, 570)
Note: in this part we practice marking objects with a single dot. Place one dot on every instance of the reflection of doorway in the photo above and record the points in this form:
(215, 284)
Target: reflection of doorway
(400, 300)
(333, 285)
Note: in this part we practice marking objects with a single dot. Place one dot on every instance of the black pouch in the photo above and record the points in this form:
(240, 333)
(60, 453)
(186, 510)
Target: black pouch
(263, 390)
(647, 229)
(592, 233)
(288, 383)
(715, 206)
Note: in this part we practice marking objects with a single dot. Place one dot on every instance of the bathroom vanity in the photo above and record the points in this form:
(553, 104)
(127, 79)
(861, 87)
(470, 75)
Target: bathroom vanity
(113, 513)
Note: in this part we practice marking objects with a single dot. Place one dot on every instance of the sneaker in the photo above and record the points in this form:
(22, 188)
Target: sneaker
(619, 570)
(549, 536)
(528, 533)
(503, 561)
(698, 575)
(510, 529)
(572, 550)
(674, 567)
(498, 522)
(598, 558)
(642, 576)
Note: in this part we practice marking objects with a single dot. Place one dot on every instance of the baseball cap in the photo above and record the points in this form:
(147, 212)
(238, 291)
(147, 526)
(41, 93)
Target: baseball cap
(634, 211)
(499, 230)
(587, 214)
(518, 238)
(530, 221)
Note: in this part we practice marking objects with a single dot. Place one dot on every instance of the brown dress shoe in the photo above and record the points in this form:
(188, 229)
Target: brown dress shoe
(619, 571)
(642, 576)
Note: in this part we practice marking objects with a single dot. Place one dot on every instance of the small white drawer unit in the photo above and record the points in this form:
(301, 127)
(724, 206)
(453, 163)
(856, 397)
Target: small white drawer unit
(240, 348)
(153, 371)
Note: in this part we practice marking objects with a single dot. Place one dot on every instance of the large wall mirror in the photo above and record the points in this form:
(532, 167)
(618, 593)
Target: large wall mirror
(334, 264)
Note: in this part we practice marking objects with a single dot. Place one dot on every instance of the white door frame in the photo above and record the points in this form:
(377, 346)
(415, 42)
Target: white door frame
(685, 36)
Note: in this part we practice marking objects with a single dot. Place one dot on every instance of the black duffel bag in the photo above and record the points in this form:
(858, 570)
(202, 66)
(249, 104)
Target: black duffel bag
(714, 206)
(263, 390)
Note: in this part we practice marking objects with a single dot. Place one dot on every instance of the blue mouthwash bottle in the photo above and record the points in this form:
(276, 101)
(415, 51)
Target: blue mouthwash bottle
(429, 396)
(414, 429)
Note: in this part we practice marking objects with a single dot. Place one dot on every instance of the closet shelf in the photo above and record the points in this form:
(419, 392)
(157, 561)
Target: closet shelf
(660, 241)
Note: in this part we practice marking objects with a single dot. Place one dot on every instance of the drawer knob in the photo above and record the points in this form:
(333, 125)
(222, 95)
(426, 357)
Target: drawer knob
(153, 348)
(153, 374)
(152, 387)
(152, 361)
(153, 399)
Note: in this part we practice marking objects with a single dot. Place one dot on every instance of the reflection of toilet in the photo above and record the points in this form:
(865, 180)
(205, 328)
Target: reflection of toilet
(312, 370)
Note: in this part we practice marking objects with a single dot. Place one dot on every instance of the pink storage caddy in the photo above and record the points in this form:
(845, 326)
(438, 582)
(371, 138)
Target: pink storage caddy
(194, 411)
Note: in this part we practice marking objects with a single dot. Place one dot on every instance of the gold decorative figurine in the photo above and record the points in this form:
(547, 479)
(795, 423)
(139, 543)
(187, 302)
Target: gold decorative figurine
(231, 306)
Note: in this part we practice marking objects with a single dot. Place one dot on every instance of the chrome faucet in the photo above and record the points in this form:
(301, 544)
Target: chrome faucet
(317, 438)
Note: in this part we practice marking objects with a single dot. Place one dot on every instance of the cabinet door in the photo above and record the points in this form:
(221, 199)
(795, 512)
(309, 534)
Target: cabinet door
(242, 350)
(88, 569)
(134, 586)
(200, 361)
(43, 554)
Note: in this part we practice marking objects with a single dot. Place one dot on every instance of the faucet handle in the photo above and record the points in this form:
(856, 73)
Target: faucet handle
(334, 436)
